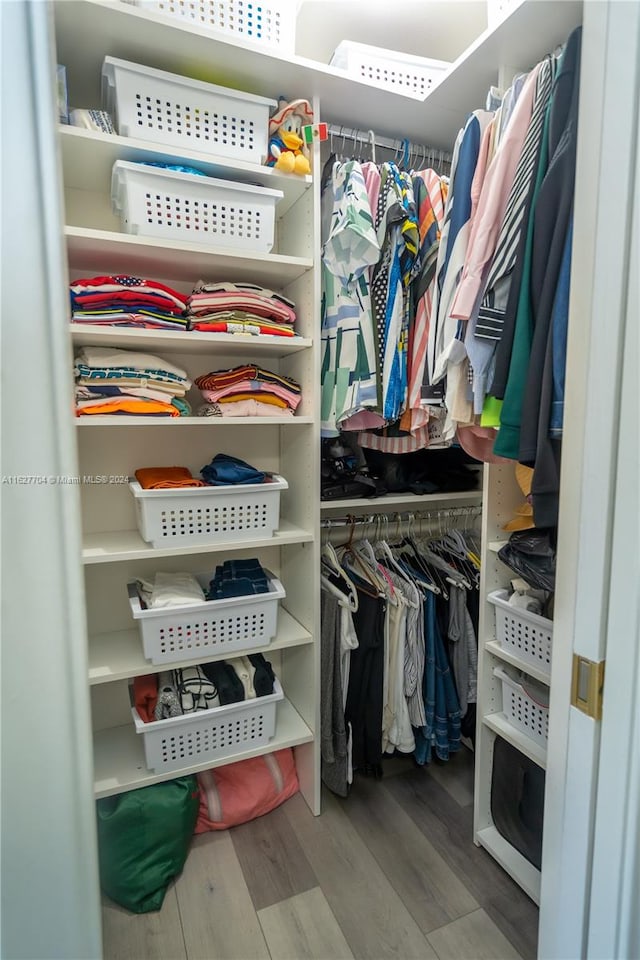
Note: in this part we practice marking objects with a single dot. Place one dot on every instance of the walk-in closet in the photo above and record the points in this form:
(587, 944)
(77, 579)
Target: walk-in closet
(320, 606)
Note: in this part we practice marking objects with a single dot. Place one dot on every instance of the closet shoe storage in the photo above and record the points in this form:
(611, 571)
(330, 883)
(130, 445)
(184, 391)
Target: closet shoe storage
(131, 533)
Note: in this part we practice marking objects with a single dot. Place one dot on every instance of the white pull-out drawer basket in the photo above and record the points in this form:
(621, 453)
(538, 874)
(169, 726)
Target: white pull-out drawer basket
(154, 202)
(268, 24)
(390, 69)
(182, 742)
(148, 104)
(525, 705)
(198, 515)
(201, 630)
(525, 634)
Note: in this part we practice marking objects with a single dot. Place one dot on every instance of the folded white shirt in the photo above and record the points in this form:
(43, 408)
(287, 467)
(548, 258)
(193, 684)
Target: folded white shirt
(110, 357)
(171, 590)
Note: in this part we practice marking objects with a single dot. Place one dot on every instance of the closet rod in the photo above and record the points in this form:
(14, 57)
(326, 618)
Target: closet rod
(371, 139)
(394, 517)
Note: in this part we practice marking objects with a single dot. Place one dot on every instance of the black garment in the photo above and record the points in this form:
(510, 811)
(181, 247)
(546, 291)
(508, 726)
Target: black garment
(226, 680)
(552, 217)
(365, 691)
(517, 800)
(264, 676)
(333, 734)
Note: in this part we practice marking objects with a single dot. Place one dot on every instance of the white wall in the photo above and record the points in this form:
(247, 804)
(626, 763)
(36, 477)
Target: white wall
(49, 883)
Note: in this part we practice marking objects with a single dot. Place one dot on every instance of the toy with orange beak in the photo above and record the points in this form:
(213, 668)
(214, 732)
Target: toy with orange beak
(287, 149)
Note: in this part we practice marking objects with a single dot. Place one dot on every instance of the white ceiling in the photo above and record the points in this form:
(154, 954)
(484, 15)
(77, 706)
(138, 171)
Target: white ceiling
(440, 29)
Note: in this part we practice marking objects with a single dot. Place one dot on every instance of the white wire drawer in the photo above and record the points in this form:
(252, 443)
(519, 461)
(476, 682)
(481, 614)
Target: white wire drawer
(166, 108)
(202, 630)
(156, 202)
(195, 738)
(201, 515)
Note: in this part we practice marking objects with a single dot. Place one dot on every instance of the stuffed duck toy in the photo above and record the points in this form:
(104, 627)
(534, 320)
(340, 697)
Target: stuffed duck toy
(287, 150)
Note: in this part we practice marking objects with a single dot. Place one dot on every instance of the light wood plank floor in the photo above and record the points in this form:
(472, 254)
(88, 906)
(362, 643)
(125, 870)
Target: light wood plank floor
(391, 872)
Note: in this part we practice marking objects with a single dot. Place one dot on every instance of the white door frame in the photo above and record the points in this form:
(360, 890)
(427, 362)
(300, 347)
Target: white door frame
(589, 484)
(49, 870)
(614, 917)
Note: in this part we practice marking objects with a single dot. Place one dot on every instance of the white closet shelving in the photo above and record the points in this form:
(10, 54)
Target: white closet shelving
(401, 502)
(529, 31)
(87, 30)
(113, 550)
(502, 497)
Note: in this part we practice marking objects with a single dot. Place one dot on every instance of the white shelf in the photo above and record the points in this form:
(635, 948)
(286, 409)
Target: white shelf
(88, 157)
(503, 653)
(511, 860)
(103, 251)
(499, 724)
(119, 763)
(178, 341)
(117, 545)
(142, 421)
(382, 504)
(87, 30)
(118, 655)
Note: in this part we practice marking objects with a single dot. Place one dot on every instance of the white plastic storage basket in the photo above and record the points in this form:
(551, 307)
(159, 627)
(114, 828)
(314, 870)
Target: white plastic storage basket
(201, 630)
(269, 24)
(176, 111)
(154, 202)
(200, 515)
(399, 72)
(182, 742)
(525, 634)
(525, 704)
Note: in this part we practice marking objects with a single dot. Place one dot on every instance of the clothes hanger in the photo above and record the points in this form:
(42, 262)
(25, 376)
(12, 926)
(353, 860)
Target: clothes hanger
(330, 558)
(426, 580)
(372, 142)
(359, 568)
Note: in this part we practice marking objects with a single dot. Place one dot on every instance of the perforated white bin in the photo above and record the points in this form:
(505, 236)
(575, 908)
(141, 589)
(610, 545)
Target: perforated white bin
(269, 23)
(525, 705)
(154, 202)
(390, 69)
(208, 514)
(166, 108)
(525, 634)
(217, 627)
(181, 742)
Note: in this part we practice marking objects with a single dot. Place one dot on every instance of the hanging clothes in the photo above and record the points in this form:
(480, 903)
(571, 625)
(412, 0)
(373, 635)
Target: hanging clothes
(365, 694)
(350, 247)
(397, 231)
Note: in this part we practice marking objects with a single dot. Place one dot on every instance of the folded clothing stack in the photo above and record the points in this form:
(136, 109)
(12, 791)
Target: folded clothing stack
(243, 308)
(123, 301)
(224, 471)
(247, 391)
(238, 578)
(166, 478)
(110, 381)
(168, 590)
(174, 693)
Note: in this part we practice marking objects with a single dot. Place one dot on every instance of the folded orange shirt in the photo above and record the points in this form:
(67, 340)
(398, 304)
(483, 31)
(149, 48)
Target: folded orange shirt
(257, 395)
(128, 405)
(145, 696)
(166, 478)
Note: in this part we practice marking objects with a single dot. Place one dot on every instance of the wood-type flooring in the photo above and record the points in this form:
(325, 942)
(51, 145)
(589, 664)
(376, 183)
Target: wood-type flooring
(390, 872)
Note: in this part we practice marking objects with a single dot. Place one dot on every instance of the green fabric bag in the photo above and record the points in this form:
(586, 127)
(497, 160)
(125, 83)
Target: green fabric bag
(143, 841)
